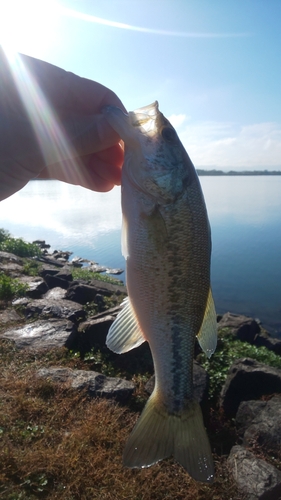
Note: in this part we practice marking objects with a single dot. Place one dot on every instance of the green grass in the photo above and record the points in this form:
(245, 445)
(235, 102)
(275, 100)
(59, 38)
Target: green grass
(88, 275)
(17, 246)
(11, 288)
(228, 350)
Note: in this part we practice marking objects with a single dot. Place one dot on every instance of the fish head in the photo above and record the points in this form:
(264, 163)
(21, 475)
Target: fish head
(156, 162)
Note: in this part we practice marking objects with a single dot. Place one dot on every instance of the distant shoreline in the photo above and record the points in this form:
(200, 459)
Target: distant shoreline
(234, 172)
(201, 171)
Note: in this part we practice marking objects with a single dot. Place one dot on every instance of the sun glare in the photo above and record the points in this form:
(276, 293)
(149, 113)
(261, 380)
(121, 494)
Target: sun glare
(27, 26)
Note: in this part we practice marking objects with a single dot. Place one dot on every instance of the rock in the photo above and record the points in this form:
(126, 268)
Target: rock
(247, 380)
(36, 286)
(7, 256)
(82, 293)
(94, 331)
(47, 269)
(55, 293)
(265, 428)
(50, 260)
(43, 334)
(246, 413)
(270, 343)
(255, 478)
(59, 254)
(8, 316)
(41, 243)
(246, 329)
(96, 268)
(48, 307)
(10, 264)
(77, 262)
(200, 385)
(11, 268)
(96, 384)
(109, 270)
(61, 279)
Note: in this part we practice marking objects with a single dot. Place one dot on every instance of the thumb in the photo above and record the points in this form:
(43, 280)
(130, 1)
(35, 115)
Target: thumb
(88, 134)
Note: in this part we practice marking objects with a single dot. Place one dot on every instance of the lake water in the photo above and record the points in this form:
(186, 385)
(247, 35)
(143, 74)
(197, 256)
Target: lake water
(245, 217)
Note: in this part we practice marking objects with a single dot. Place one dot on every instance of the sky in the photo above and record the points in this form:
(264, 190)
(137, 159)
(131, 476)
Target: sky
(214, 66)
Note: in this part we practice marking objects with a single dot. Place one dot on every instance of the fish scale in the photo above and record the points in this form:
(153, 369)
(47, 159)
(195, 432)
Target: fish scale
(167, 245)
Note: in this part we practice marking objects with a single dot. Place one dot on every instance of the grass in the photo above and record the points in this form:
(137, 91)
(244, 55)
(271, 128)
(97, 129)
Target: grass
(88, 275)
(11, 287)
(17, 246)
(57, 444)
(228, 350)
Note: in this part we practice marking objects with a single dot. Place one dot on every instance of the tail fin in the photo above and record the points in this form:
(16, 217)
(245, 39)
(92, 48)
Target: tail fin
(158, 434)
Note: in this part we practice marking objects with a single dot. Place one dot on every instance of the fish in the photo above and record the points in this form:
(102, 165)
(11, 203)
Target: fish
(166, 242)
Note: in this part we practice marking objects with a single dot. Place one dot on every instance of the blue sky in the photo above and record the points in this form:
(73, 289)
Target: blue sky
(214, 66)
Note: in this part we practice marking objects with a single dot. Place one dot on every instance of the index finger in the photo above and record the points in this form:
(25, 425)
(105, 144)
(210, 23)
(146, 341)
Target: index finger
(68, 91)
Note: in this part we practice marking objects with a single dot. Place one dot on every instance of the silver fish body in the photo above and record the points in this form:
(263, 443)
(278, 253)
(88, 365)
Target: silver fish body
(167, 245)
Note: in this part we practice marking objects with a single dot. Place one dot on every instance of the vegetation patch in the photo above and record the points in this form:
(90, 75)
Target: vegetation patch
(11, 287)
(17, 246)
(88, 275)
(228, 350)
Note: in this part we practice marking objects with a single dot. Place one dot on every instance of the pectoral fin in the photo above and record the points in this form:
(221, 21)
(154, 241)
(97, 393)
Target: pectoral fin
(207, 336)
(125, 333)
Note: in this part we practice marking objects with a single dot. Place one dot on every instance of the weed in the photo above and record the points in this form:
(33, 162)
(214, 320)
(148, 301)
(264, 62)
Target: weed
(228, 350)
(88, 275)
(11, 287)
(17, 246)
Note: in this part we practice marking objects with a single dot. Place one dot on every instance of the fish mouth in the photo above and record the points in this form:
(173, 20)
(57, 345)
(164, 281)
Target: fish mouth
(147, 122)
(148, 118)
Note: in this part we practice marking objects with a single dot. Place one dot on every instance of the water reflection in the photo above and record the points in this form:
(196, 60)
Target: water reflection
(245, 219)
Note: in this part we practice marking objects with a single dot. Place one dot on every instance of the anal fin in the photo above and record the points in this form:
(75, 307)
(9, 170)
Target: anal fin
(207, 336)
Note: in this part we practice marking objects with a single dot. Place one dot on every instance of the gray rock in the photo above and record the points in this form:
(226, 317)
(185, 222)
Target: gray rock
(265, 428)
(82, 293)
(36, 286)
(93, 332)
(246, 413)
(109, 270)
(8, 316)
(50, 260)
(96, 268)
(270, 343)
(247, 380)
(48, 307)
(47, 269)
(61, 279)
(56, 293)
(244, 328)
(43, 334)
(96, 384)
(7, 256)
(41, 243)
(255, 478)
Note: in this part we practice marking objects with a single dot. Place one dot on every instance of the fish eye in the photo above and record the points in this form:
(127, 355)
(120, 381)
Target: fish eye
(168, 134)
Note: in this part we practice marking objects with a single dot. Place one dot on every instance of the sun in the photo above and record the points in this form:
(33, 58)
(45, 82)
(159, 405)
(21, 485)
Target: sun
(28, 26)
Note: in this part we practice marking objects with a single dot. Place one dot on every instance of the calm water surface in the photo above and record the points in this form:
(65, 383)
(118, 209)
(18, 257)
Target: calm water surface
(245, 217)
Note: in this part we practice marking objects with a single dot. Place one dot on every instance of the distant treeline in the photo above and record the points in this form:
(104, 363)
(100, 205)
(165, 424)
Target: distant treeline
(235, 172)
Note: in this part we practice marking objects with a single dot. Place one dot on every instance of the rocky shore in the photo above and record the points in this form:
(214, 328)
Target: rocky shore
(59, 311)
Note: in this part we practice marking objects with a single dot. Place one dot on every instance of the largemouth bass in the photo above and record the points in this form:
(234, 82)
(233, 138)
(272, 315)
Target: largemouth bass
(167, 246)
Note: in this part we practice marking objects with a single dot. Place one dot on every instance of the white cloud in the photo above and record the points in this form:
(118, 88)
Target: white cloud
(177, 120)
(227, 145)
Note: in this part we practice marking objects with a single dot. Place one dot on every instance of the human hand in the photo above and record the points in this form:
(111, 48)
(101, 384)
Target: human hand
(51, 127)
